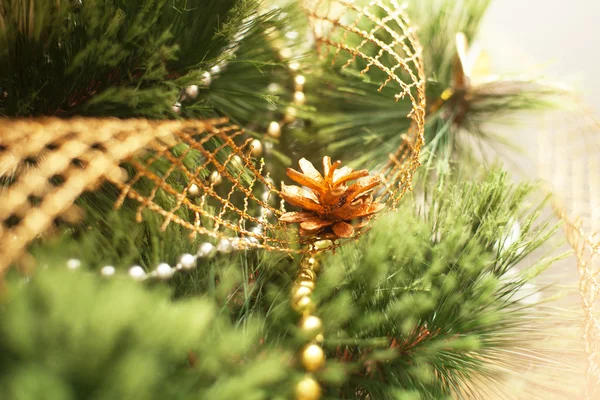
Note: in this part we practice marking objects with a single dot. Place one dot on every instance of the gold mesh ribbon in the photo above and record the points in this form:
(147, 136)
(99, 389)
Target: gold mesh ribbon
(380, 39)
(47, 163)
(569, 160)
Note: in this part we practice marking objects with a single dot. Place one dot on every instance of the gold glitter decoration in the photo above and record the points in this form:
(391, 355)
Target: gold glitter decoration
(47, 163)
(569, 160)
(380, 36)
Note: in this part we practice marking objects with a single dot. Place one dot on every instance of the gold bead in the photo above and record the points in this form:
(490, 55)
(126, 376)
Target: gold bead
(274, 129)
(311, 264)
(308, 389)
(299, 98)
(294, 65)
(306, 283)
(256, 147)
(194, 190)
(299, 292)
(290, 115)
(306, 274)
(313, 357)
(304, 305)
(215, 178)
(311, 325)
(300, 81)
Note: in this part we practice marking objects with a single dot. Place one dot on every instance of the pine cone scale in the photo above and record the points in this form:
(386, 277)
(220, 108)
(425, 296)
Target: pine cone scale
(333, 209)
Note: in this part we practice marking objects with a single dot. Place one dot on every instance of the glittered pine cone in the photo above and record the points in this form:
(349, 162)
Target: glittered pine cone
(332, 208)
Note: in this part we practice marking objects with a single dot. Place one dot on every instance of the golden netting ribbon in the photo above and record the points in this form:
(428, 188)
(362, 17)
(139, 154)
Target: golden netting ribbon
(380, 40)
(47, 163)
(165, 167)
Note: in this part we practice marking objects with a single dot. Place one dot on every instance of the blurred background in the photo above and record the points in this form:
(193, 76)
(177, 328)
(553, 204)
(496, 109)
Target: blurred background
(553, 37)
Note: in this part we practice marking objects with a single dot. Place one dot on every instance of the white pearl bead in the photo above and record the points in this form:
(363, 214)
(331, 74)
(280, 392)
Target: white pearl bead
(194, 190)
(137, 272)
(73, 263)
(215, 69)
(192, 91)
(274, 129)
(206, 250)
(224, 246)
(107, 270)
(164, 271)
(206, 79)
(187, 261)
(256, 147)
(176, 108)
(215, 178)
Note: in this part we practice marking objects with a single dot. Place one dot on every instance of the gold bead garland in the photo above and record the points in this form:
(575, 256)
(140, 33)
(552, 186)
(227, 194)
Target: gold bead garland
(285, 53)
(312, 356)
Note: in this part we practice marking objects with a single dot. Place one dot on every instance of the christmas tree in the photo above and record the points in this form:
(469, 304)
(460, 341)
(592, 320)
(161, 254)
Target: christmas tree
(168, 230)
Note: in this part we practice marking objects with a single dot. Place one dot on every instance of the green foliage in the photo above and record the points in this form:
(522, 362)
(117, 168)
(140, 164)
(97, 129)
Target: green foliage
(68, 335)
(421, 303)
(133, 58)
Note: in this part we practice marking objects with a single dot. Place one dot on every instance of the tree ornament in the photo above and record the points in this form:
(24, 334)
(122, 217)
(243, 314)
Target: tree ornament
(307, 284)
(308, 389)
(330, 204)
(274, 129)
(187, 261)
(192, 91)
(311, 325)
(290, 114)
(206, 79)
(73, 264)
(257, 148)
(304, 305)
(107, 271)
(215, 178)
(206, 250)
(194, 190)
(164, 271)
(300, 80)
(313, 357)
(224, 246)
(298, 292)
(299, 98)
(137, 273)
(176, 108)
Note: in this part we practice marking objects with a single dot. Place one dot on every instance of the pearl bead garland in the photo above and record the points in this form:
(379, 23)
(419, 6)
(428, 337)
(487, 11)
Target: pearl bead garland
(187, 262)
(164, 271)
(137, 273)
(107, 271)
(73, 264)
